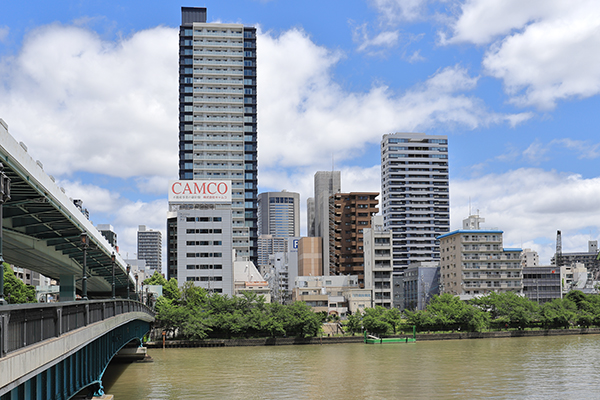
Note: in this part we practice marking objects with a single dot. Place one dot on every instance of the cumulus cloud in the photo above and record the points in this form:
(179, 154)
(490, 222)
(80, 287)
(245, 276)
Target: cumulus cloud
(86, 104)
(544, 51)
(530, 205)
(306, 117)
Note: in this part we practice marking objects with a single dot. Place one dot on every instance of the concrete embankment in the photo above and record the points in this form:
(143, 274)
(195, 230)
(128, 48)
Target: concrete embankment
(358, 338)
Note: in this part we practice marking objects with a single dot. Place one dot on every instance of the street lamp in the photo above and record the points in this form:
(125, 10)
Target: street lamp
(128, 271)
(137, 297)
(112, 261)
(4, 196)
(85, 241)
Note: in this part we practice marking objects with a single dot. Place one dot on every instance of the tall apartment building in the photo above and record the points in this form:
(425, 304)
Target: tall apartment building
(327, 183)
(352, 214)
(415, 198)
(218, 115)
(149, 248)
(279, 214)
(474, 262)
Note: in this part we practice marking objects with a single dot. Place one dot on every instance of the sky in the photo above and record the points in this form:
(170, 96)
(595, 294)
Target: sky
(91, 88)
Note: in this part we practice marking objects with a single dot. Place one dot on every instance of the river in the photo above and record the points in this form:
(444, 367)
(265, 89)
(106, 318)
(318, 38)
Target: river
(558, 367)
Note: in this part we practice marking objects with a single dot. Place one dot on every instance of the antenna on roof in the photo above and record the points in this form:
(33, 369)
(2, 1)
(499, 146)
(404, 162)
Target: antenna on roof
(469, 205)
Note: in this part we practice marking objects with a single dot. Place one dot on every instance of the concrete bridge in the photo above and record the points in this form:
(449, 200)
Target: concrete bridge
(54, 350)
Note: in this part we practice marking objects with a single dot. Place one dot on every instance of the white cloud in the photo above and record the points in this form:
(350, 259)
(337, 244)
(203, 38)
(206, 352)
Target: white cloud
(395, 11)
(306, 117)
(530, 205)
(4, 30)
(385, 39)
(544, 51)
(81, 103)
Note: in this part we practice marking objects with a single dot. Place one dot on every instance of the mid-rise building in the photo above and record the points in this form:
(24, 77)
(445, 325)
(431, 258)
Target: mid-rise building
(420, 282)
(326, 293)
(310, 253)
(474, 262)
(415, 198)
(109, 234)
(378, 263)
(149, 248)
(589, 259)
(269, 245)
(218, 115)
(327, 183)
(351, 215)
(530, 258)
(542, 283)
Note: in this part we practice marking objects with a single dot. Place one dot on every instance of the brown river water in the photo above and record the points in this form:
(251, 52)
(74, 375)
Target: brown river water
(560, 367)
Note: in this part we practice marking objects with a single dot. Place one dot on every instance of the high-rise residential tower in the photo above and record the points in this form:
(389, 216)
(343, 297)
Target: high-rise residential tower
(327, 183)
(217, 115)
(415, 198)
(352, 214)
(149, 248)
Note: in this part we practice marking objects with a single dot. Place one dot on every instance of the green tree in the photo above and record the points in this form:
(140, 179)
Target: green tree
(375, 322)
(155, 279)
(15, 291)
(558, 313)
(393, 317)
(354, 323)
(508, 309)
(171, 290)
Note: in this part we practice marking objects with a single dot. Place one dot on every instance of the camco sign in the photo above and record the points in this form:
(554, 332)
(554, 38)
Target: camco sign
(200, 191)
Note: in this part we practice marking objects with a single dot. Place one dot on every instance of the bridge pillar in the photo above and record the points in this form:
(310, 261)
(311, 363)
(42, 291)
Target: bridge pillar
(67, 288)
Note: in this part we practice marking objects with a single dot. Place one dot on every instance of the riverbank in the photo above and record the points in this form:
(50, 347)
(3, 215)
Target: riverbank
(279, 341)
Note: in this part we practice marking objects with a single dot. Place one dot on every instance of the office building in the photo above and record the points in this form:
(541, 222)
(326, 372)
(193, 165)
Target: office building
(218, 115)
(149, 248)
(474, 262)
(414, 195)
(352, 214)
(269, 245)
(327, 183)
(420, 282)
(279, 214)
(589, 259)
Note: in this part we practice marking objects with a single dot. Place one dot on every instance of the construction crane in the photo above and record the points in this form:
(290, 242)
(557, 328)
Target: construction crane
(558, 256)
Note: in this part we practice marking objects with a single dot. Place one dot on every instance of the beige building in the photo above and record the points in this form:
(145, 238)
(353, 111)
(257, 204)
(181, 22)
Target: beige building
(378, 263)
(325, 293)
(474, 262)
(310, 256)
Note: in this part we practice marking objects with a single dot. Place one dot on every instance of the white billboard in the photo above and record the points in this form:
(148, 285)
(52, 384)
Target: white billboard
(200, 191)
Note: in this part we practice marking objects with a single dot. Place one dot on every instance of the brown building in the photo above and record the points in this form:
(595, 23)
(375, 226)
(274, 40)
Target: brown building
(310, 256)
(350, 215)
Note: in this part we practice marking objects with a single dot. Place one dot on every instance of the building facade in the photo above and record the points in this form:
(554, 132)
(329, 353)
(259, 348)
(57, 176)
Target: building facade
(149, 248)
(378, 263)
(310, 253)
(474, 262)
(420, 282)
(415, 198)
(351, 215)
(218, 115)
(327, 183)
(201, 246)
(279, 214)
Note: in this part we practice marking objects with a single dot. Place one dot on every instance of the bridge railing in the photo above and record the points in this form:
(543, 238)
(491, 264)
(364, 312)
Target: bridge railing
(23, 325)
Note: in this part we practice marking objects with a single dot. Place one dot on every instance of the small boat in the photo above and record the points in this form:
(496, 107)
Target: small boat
(370, 339)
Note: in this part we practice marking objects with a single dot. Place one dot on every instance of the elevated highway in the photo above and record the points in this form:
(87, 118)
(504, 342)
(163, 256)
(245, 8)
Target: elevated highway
(42, 229)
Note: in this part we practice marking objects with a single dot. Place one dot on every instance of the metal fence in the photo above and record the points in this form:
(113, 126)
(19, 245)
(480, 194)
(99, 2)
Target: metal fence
(22, 325)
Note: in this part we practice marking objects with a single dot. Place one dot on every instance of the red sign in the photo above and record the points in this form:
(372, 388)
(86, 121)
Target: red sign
(200, 191)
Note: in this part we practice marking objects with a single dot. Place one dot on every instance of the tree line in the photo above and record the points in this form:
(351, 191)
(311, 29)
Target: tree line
(495, 311)
(15, 291)
(191, 312)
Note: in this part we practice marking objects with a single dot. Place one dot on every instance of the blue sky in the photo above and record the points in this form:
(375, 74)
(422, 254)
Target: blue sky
(91, 88)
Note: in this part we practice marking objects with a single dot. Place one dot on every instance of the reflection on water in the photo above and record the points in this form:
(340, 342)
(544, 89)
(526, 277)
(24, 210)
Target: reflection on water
(511, 368)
